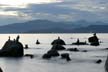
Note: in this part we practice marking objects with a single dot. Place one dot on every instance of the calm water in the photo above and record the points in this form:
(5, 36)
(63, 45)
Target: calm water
(81, 62)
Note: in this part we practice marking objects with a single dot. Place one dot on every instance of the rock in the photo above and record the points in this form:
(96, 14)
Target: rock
(106, 65)
(37, 42)
(84, 50)
(50, 53)
(1, 70)
(29, 55)
(58, 41)
(46, 56)
(12, 49)
(53, 53)
(94, 40)
(99, 61)
(26, 46)
(65, 56)
(58, 47)
(73, 49)
(79, 43)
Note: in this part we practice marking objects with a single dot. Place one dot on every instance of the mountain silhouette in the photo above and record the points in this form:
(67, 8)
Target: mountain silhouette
(46, 26)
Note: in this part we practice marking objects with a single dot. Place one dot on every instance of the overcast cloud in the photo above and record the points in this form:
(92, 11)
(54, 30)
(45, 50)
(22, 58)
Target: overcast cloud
(55, 10)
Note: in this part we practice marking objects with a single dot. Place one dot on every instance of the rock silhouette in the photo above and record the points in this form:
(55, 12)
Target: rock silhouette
(99, 61)
(58, 47)
(26, 46)
(12, 48)
(73, 49)
(79, 43)
(94, 40)
(58, 41)
(50, 53)
(1, 70)
(37, 42)
(65, 56)
(106, 64)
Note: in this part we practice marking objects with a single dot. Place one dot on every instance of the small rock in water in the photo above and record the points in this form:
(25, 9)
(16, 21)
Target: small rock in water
(29, 55)
(73, 49)
(37, 42)
(65, 56)
(84, 51)
(26, 46)
(99, 61)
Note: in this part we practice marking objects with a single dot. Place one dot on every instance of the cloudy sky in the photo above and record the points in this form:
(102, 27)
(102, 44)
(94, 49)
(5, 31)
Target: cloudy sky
(12, 11)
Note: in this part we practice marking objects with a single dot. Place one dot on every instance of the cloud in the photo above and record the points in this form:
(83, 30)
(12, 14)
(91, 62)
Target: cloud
(58, 10)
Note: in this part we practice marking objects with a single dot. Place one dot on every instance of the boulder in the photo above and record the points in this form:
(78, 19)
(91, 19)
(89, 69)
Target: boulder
(12, 49)
(1, 70)
(65, 56)
(50, 53)
(58, 47)
(58, 41)
(94, 40)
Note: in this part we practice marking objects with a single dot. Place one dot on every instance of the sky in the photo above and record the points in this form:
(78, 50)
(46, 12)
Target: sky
(15, 11)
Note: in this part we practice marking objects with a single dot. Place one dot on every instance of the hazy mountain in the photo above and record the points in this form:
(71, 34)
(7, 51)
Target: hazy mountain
(92, 28)
(38, 26)
(45, 26)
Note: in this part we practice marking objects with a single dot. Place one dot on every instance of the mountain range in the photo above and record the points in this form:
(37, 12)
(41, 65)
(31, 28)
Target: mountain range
(46, 26)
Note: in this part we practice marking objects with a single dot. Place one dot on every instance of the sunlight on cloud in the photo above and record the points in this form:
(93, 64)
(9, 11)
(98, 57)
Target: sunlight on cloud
(24, 3)
(12, 13)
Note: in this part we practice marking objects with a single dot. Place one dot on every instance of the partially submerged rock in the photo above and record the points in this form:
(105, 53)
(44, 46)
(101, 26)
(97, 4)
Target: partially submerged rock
(73, 49)
(37, 42)
(12, 48)
(26, 46)
(29, 55)
(99, 61)
(94, 40)
(50, 53)
(79, 43)
(58, 47)
(58, 41)
(1, 70)
(106, 64)
(65, 56)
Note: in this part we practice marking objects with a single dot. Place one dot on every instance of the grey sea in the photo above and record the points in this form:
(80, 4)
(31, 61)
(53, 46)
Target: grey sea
(81, 61)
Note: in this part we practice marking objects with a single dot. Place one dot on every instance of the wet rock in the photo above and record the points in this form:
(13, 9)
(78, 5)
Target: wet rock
(58, 47)
(79, 43)
(12, 48)
(65, 56)
(50, 53)
(99, 61)
(84, 50)
(106, 65)
(73, 49)
(58, 41)
(94, 40)
(26, 46)
(46, 56)
(37, 42)
(29, 55)
(1, 70)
